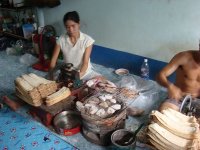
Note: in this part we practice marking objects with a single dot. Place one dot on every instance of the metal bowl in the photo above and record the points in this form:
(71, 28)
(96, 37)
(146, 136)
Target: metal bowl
(118, 135)
(67, 123)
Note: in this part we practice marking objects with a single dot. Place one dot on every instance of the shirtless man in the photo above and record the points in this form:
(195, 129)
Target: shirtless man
(187, 67)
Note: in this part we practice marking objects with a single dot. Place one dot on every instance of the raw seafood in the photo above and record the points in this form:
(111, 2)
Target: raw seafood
(128, 93)
(101, 113)
(79, 105)
(93, 110)
(116, 106)
(103, 104)
(94, 100)
(102, 97)
(108, 96)
(113, 100)
(110, 110)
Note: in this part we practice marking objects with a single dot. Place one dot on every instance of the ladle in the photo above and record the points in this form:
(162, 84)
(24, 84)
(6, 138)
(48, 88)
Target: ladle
(135, 133)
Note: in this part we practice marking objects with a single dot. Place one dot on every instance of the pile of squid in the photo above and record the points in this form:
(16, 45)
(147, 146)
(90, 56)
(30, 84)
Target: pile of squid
(101, 106)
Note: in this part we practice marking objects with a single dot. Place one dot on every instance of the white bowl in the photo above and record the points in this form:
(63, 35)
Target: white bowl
(122, 71)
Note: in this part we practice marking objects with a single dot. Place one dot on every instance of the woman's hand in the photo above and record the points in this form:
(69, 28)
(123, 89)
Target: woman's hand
(81, 74)
(174, 92)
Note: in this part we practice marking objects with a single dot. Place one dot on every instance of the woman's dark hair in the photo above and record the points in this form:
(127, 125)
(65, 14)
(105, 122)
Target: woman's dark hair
(73, 15)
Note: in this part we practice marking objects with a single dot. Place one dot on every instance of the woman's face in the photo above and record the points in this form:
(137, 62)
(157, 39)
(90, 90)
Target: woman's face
(72, 27)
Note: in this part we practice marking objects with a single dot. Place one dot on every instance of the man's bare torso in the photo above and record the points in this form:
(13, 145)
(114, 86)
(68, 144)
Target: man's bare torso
(188, 74)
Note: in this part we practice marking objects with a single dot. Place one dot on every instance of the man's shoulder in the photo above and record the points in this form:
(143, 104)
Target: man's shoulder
(186, 54)
(184, 57)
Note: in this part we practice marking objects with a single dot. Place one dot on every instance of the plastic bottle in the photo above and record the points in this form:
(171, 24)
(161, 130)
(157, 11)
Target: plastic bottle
(145, 70)
(34, 23)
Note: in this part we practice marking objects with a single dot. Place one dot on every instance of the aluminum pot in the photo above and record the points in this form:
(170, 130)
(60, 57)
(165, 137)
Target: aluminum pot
(67, 123)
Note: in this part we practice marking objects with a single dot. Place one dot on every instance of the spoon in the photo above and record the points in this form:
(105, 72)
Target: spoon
(135, 133)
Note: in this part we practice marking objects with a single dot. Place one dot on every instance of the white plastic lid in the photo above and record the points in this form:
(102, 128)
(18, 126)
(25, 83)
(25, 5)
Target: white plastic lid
(145, 60)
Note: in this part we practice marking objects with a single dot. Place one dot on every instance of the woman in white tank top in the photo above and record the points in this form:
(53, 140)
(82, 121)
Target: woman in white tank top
(75, 46)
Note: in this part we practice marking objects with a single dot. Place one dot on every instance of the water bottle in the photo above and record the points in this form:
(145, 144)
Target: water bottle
(145, 70)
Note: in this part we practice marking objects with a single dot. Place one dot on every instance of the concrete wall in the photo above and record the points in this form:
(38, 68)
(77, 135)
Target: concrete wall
(153, 28)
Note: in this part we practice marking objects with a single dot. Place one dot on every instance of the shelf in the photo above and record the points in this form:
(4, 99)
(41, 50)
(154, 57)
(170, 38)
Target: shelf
(15, 8)
(12, 35)
(17, 11)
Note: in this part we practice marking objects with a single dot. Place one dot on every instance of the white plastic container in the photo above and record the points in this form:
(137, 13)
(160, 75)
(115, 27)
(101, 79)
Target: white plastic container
(18, 3)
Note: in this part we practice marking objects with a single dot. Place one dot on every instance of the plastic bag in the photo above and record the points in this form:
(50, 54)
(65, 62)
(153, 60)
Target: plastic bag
(127, 82)
(28, 59)
(148, 93)
(146, 103)
(138, 84)
(127, 91)
(149, 97)
(11, 51)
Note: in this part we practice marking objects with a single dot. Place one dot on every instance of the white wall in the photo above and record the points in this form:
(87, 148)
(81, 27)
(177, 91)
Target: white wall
(153, 28)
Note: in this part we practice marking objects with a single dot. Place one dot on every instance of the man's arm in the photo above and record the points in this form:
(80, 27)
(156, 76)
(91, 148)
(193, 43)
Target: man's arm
(170, 68)
(86, 58)
(166, 72)
(173, 91)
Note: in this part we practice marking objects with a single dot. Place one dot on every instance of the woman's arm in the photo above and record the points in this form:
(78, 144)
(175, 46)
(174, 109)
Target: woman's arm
(54, 58)
(86, 58)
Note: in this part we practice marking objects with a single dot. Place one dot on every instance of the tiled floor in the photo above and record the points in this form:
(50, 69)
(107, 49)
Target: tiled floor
(22, 133)
(18, 132)
(10, 68)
